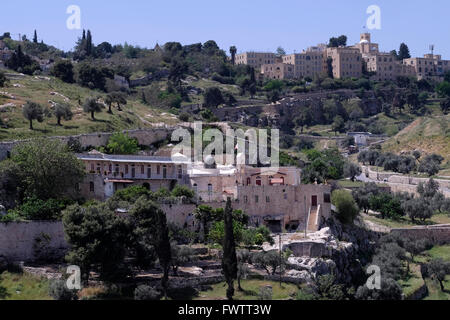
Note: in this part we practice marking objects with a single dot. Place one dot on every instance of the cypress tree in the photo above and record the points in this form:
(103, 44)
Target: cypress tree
(229, 260)
(35, 38)
(89, 43)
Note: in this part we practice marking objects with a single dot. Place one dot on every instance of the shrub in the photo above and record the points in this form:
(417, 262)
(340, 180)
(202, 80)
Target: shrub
(183, 191)
(346, 207)
(37, 209)
(59, 291)
(144, 292)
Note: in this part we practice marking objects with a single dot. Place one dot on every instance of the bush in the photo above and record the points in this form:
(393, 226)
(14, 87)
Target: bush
(59, 291)
(346, 207)
(37, 209)
(144, 292)
(2, 79)
(183, 191)
(121, 143)
(184, 117)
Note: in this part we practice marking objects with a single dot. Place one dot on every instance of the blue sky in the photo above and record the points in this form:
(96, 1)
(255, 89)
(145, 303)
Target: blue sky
(260, 25)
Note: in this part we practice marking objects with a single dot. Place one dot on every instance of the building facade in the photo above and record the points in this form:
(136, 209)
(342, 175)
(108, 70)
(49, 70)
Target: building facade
(430, 67)
(309, 64)
(272, 197)
(256, 59)
(278, 71)
(346, 62)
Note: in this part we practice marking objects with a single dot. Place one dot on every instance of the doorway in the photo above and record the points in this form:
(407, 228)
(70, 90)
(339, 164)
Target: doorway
(314, 201)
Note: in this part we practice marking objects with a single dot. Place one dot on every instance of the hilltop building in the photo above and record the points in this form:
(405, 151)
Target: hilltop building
(256, 59)
(430, 67)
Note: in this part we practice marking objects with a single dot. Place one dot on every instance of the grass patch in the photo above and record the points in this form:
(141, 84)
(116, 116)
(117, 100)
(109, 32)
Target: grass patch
(413, 282)
(135, 114)
(251, 288)
(350, 184)
(23, 286)
(405, 222)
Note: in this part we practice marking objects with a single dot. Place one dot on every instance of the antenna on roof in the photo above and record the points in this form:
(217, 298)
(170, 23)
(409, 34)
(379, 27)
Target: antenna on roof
(432, 57)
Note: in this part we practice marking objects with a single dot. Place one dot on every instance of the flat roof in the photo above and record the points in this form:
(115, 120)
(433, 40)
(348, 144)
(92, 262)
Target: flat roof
(130, 158)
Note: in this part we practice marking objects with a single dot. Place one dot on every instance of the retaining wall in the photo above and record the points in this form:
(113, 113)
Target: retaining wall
(18, 239)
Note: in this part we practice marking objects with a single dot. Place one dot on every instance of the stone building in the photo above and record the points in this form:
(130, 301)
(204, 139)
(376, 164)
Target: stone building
(256, 59)
(108, 173)
(387, 67)
(299, 207)
(278, 71)
(346, 62)
(273, 197)
(306, 64)
(430, 67)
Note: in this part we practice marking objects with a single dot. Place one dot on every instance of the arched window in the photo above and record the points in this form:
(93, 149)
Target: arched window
(258, 181)
(249, 181)
(195, 187)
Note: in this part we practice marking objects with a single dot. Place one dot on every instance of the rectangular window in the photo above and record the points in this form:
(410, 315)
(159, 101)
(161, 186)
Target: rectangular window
(91, 187)
(326, 198)
(267, 199)
(149, 172)
(256, 199)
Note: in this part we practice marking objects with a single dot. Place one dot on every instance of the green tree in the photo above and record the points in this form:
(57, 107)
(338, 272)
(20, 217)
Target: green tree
(229, 260)
(121, 143)
(445, 104)
(438, 269)
(347, 209)
(213, 97)
(338, 125)
(304, 119)
(204, 214)
(352, 170)
(92, 106)
(35, 38)
(390, 290)
(47, 168)
(62, 111)
(33, 111)
(183, 191)
(2, 79)
(115, 97)
(233, 51)
(97, 238)
(280, 51)
(150, 227)
(417, 209)
(63, 70)
(403, 52)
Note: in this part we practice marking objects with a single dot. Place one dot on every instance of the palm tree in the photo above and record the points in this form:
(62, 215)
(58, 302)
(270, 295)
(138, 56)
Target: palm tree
(233, 51)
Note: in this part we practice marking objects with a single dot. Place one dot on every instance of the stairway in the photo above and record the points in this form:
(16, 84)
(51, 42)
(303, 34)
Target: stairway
(312, 226)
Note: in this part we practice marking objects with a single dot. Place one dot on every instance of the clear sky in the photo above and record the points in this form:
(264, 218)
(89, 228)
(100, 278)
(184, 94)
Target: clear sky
(260, 25)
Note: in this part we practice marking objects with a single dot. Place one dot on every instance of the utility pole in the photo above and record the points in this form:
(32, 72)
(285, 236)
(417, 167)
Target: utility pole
(432, 57)
(306, 221)
(279, 245)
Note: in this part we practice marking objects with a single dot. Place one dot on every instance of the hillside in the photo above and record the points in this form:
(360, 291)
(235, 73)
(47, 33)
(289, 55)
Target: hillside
(45, 89)
(427, 134)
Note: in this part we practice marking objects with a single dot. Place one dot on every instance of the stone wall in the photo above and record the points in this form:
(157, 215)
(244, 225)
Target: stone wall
(180, 214)
(404, 183)
(145, 137)
(18, 239)
(439, 234)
